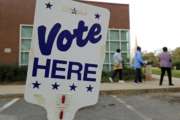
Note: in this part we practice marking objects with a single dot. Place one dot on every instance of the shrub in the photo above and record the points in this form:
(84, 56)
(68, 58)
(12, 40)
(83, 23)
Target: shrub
(177, 64)
(12, 73)
(128, 74)
(105, 76)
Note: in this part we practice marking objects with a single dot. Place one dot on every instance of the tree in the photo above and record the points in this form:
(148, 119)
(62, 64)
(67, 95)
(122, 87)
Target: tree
(150, 57)
(176, 57)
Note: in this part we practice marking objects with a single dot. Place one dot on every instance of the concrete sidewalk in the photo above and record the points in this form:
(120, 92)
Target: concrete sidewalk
(109, 88)
(147, 86)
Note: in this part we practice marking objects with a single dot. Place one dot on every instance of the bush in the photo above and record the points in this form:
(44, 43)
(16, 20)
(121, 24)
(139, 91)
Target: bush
(12, 73)
(177, 65)
(128, 74)
(105, 76)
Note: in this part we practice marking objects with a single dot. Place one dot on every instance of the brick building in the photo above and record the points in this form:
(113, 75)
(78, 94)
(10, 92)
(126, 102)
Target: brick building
(16, 24)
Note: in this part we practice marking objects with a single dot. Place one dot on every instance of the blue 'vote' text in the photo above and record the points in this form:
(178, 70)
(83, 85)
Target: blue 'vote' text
(65, 37)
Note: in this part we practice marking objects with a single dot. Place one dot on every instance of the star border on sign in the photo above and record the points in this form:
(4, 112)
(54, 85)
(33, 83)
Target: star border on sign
(36, 85)
(89, 88)
(74, 11)
(48, 5)
(73, 87)
(97, 16)
(55, 86)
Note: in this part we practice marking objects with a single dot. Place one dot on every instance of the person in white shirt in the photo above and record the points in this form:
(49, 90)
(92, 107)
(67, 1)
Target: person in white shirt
(117, 66)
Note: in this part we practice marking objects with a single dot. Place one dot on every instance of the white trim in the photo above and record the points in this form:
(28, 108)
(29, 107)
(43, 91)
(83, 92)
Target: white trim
(118, 29)
(28, 25)
(20, 29)
(26, 38)
(114, 40)
(23, 65)
(119, 39)
(20, 41)
(25, 51)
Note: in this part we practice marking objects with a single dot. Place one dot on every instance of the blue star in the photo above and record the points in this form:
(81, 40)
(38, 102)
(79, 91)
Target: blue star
(74, 11)
(48, 5)
(36, 85)
(89, 88)
(55, 86)
(73, 87)
(97, 16)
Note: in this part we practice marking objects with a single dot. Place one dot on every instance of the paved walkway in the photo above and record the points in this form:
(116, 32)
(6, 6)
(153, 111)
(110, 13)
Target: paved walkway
(146, 86)
(110, 88)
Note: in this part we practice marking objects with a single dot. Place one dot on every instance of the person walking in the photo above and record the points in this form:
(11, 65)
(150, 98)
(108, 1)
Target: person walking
(138, 63)
(117, 66)
(165, 65)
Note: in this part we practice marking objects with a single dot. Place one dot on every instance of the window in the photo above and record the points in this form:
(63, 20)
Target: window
(116, 39)
(114, 35)
(124, 46)
(25, 43)
(114, 45)
(124, 35)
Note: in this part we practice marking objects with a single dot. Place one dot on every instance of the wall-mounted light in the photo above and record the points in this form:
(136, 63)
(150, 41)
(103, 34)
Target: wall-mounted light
(7, 50)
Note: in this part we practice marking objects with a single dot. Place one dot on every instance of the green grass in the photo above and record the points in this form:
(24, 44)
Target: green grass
(157, 71)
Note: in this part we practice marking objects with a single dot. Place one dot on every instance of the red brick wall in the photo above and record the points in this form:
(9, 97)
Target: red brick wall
(119, 14)
(16, 12)
(12, 14)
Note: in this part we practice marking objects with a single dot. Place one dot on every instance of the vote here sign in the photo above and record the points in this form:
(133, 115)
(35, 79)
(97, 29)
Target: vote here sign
(66, 57)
